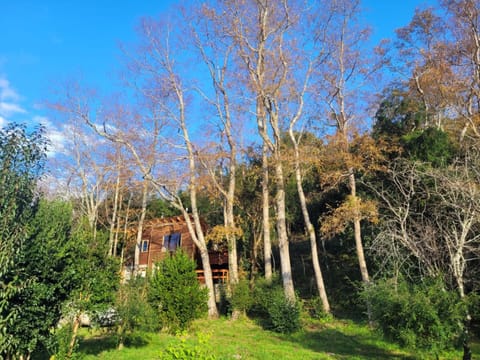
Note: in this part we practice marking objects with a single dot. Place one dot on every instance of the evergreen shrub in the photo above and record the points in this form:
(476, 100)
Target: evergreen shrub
(175, 293)
(313, 308)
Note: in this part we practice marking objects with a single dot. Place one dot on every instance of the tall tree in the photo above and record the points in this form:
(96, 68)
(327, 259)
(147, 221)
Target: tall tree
(22, 155)
(296, 138)
(347, 70)
(216, 53)
(422, 48)
(264, 47)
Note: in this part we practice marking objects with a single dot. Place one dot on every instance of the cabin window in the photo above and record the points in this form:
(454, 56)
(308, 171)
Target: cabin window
(144, 246)
(172, 241)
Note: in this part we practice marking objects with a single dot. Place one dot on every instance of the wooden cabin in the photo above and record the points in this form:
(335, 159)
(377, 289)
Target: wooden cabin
(163, 236)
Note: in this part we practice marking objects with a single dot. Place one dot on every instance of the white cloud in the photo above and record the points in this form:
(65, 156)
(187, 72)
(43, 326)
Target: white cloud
(3, 122)
(9, 100)
(57, 138)
(9, 109)
(7, 92)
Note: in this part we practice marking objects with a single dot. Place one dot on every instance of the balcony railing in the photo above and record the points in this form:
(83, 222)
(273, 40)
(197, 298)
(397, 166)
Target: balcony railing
(218, 275)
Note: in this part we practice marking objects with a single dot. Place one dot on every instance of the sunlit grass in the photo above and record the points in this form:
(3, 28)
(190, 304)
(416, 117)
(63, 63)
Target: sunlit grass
(244, 339)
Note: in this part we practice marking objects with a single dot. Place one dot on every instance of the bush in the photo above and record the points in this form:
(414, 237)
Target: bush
(175, 293)
(424, 316)
(241, 298)
(275, 311)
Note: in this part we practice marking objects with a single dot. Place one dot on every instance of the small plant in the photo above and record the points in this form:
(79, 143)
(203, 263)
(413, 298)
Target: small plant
(198, 349)
(175, 293)
(132, 310)
(60, 343)
(313, 308)
(284, 314)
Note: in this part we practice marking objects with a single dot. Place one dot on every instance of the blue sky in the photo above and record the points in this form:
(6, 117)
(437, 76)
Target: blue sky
(45, 42)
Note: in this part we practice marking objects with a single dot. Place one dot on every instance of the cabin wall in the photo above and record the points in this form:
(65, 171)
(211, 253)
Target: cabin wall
(155, 235)
(156, 230)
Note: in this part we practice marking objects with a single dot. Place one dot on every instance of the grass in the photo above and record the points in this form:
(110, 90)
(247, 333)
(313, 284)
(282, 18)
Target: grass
(244, 339)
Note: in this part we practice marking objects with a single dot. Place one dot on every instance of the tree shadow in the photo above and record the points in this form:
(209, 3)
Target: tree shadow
(96, 345)
(343, 346)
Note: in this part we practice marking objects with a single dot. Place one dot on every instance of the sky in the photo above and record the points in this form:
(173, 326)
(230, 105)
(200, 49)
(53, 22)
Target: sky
(46, 41)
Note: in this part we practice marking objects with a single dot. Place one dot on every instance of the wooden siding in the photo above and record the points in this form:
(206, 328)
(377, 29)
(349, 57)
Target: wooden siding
(155, 232)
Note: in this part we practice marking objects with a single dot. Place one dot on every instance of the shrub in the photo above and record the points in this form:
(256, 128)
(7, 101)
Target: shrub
(241, 298)
(175, 293)
(275, 311)
(424, 316)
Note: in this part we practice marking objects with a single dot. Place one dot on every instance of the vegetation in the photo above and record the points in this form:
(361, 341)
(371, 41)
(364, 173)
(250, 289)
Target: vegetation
(175, 293)
(274, 310)
(133, 311)
(226, 339)
(22, 156)
(321, 216)
(424, 316)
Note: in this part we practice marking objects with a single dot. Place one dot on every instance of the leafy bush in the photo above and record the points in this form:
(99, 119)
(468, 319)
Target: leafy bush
(275, 311)
(424, 316)
(198, 349)
(175, 293)
(241, 298)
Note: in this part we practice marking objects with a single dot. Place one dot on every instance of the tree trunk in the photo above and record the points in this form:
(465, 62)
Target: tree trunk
(75, 326)
(358, 232)
(310, 229)
(117, 231)
(207, 272)
(231, 237)
(282, 232)
(141, 221)
(267, 243)
(197, 231)
(113, 220)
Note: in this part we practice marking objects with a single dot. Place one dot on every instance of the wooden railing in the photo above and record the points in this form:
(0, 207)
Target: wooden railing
(218, 275)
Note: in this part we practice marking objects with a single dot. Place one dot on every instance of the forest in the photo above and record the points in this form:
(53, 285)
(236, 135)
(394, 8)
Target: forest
(341, 176)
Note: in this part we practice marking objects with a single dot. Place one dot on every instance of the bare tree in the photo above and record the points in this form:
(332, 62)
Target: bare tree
(431, 219)
(261, 32)
(86, 178)
(216, 52)
(463, 31)
(158, 78)
(296, 139)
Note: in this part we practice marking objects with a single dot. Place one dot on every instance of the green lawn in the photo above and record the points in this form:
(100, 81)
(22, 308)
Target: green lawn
(243, 339)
